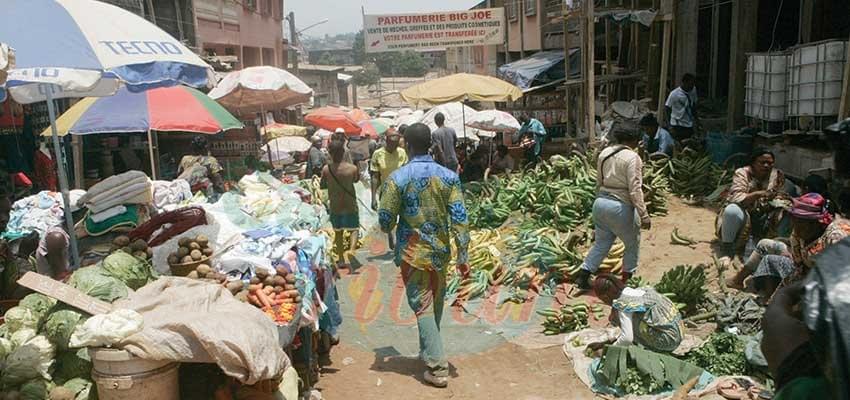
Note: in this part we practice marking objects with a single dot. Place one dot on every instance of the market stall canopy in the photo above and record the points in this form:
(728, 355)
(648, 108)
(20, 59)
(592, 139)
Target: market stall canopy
(359, 115)
(493, 121)
(276, 130)
(332, 118)
(539, 68)
(461, 87)
(177, 108)
(292, 144)
(410, 119)
(454, 113)
(389, 114)
(80, 48)
(90, 48)
(257, 88)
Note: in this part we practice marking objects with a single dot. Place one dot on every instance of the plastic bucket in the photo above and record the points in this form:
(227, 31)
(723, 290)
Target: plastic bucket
(120, 375)
(721, 146)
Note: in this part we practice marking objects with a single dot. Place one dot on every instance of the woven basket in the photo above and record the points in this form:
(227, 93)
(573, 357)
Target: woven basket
(186, 268)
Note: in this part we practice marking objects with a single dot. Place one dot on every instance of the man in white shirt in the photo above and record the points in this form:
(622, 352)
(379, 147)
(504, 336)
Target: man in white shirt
(682, 108)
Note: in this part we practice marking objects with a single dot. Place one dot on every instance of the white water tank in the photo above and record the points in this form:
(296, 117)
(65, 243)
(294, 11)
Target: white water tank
(766, 90)
(815, 74)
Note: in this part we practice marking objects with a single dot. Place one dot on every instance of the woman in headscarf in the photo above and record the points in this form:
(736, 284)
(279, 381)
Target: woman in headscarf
(644, 316)
(201, 170)
(775, 262)
(751, 210)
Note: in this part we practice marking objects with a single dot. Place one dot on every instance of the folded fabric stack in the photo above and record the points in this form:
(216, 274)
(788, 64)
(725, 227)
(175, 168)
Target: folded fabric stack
(116, 204)
(171, 195)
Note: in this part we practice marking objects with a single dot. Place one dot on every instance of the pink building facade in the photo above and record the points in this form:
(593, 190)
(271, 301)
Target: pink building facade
(251, 30)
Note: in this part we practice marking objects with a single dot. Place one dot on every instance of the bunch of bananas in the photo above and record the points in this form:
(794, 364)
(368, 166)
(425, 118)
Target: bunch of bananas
(695, 175)
(679, 239)
(656, 187)
(613, 264)
(636, 281)
(684, 284)
(570, 318)
(314, 186)
(485, 262)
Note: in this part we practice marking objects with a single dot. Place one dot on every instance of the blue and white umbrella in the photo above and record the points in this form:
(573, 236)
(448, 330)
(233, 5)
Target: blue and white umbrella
(90, 48)
(85, 48)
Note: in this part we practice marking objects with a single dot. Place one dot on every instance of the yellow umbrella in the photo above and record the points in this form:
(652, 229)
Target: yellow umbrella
(70, 117)
(461, 87)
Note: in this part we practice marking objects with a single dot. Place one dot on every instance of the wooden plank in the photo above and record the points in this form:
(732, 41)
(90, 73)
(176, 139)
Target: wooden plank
(844, 107)
(64, 293)
(743, 41)
(590, 90)
(715, 51)
(566, 69)
(665, 66)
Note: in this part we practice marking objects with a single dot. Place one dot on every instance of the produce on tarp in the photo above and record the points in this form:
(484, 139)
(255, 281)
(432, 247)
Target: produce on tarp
(569, 318)
(693, 174)
(638, 371)
(722, 354)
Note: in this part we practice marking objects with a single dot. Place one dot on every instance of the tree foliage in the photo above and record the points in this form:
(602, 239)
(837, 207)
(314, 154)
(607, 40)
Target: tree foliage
(394, 63)
(368, 76)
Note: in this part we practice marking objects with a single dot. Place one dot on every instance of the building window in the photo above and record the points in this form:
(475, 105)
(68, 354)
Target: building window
(511, 6)
(530, 7)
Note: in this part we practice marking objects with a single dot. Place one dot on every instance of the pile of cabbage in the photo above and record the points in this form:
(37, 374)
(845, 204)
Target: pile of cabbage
(37, 360)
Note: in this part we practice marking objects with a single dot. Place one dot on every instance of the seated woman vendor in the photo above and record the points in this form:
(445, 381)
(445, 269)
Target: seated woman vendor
(48, 256)
(644, 316)
(201, 170)
(776, 262)
(754, 205)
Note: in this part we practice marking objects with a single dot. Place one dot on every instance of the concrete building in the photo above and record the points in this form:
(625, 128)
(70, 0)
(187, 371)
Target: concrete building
(251, 30)
(173, 16)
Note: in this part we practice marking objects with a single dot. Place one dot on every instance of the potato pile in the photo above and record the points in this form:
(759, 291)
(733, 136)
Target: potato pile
(191, 250)
(137, 248)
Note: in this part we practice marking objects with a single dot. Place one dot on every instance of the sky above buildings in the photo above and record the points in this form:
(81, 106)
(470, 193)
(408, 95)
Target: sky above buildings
(344, 15)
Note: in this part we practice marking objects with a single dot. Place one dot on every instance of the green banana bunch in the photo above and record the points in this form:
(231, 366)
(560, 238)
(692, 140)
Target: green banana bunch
(570, 318)
(694, 175)
(686, 283)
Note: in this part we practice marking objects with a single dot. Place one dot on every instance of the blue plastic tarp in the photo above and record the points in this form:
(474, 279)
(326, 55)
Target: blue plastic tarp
(539, 68)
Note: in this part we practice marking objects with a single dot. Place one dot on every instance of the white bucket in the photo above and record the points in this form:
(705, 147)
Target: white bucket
(120, 375)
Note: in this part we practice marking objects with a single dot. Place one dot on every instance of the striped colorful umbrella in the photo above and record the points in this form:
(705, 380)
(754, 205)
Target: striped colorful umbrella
(176, 108)
(374, 127)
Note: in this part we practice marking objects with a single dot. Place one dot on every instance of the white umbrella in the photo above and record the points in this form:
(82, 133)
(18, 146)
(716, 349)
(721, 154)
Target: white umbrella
(259, 88)
(410, 119)
(389, 114)
(80, 48)
(294, 144)
(493, 121)
(455, 115)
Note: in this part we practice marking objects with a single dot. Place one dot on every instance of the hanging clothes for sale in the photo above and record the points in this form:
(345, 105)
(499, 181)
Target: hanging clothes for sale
(44, 171)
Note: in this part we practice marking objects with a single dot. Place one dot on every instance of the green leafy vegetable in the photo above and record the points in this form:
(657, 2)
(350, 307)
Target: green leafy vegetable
(39, 304)
(95, 282)
(722, 354)
(18, 318)
(60, 325)
(28, 361)
(134, 272)
(36, 389)
(72, 364)
(81, 388)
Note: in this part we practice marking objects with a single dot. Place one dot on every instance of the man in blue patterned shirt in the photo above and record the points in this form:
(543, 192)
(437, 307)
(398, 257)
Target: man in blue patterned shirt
(427, 201)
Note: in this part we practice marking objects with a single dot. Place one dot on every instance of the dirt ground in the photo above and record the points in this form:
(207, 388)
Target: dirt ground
(509, 371)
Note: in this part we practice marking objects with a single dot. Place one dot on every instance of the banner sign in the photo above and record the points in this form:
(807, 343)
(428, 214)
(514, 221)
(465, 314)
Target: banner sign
(440, 30)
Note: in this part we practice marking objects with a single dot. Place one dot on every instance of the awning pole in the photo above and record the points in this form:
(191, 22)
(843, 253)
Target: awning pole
(63, 177)
(153, 162)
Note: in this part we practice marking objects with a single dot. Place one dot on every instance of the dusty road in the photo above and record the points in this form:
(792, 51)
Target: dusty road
(364, 370)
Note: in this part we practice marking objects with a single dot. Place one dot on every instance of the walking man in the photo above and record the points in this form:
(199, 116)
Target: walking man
(445, 141)
(340, 177)
(427, 201)
(682, 108)
(384, 162)
(619, 210)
